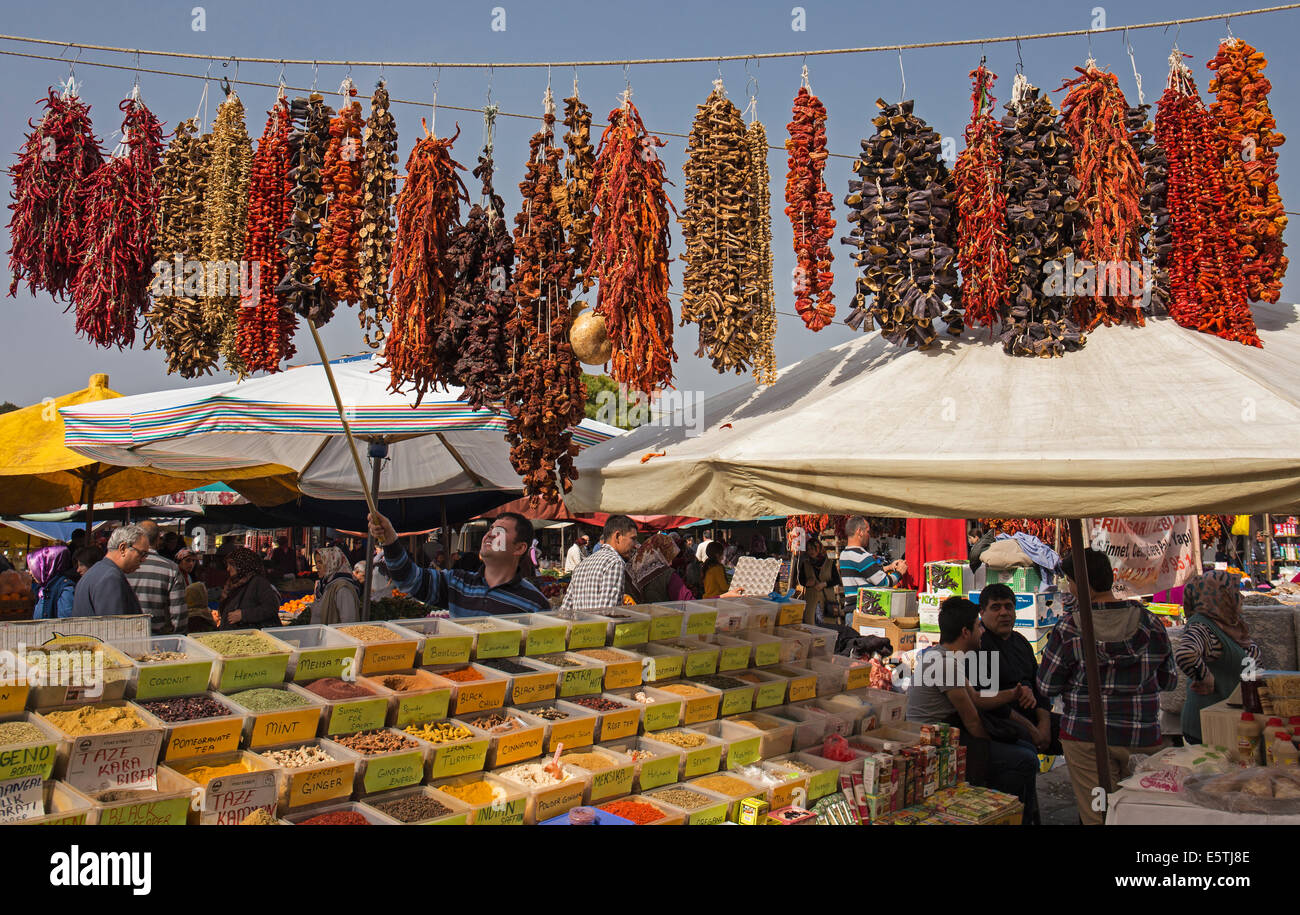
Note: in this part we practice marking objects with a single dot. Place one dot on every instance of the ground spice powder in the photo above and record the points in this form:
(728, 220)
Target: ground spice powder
(96, 719)
(334, 688)
(259, 817)
(475, 792)
(205, 774)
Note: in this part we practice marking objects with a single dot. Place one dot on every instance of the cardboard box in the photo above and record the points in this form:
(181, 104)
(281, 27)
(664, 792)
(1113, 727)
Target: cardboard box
(926, 640)
(900, 632)
(1033, 609)
(893, 602)
(949, 575)
(1022, 579)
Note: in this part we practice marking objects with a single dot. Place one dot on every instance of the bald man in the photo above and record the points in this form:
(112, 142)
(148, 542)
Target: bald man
(160, 587)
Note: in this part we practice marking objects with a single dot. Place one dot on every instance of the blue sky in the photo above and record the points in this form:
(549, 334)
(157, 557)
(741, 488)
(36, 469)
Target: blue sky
(41, 356)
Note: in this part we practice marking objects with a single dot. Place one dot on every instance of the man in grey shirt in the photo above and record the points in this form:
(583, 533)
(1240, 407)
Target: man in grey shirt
(104, 590)
(160, 587)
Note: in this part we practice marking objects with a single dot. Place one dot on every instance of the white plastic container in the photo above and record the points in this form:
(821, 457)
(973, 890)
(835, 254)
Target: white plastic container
(801, 683)
(696, 760)
(317, 783)
(660, 710)
(622, 668)
(167, 679)
(586, 630)
(733, 616)
(201, 737)
(625, 627)
(866, 717)
(493, 636)
(612, 724)
(577, 729)
(546, 801)
(378, 772)
(733, 653)
(660, 662)
(226, 799)
(823, 640)
(457, 815)
(769, 688)
(734, 797)
(519, 738)
(654, 763)
(796, 644)
(530, 681)
(352, 714)
(506, 810)
(741, 746)
(837, 721)
(31, 757)
(578, 675)
(813, 724)
(67, 741)
(824, 777)
(281, 726)
(698, 657)
(543, 633)
(665, 622)
(319, 651)
(467, 696)
(168, 806)
(451, 758)
(603, 784)
(699, 617)
(382, 655)
(831, 677)
(695, 708)
(74, 669)
(767, 647)
(427, 699)
(712, 812)
(64, 806)
(776, 736)
(440, 641)
(737, 694)
(672, 816)
(234, 673)
(763, 614)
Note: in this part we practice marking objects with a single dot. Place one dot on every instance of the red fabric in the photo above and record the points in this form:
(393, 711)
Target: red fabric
(930, 540)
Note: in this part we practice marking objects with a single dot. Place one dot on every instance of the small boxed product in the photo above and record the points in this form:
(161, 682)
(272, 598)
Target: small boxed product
(927, 608)
(891, 602)
(753, 811)
(1033, 609)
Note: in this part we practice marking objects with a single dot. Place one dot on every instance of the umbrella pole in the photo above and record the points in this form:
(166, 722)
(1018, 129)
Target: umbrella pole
(1098, 713)
(347, 429)
(446, 531)
(88, 484)
(376, 452)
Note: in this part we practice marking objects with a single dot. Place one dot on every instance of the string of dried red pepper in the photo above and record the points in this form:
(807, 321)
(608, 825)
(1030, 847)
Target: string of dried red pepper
(809, 205)
(982, 243)
(265, 326)
(428, 209)
(630, 244)
(111, 290)
(51, 177)
(544, 388)
(1207, 288)
(1249, 131)
(1093, 117)
(338, 244)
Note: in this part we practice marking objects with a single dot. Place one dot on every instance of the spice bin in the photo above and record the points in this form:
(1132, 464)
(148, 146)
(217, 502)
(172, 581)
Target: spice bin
(665, 622)
(621, 668)
(617, 716)
(863, 712)
(64, 806)
(586, 630)
(733, 616)
(790, 611)
(439, 641)
(277, 715)
(793, 788)
(311, 783)
(610, 774)
(474, 688)
(493, 637)
(418, 806)
(776, 736)
(740, 745)
(246, 658)
(208, 735)
(857, 673)
(660, 662)
(737, 694)
(579, 676)
(823, 774)
(699, 703)
(399, 767)
(176, 676)
(624, 626)
(671, 816)
(69, 668)
(518, 737)
(37, 756)
(733, 653)
(319, 651)
(551, 798)
(380, 654)
(414, 695)
(148, 739)
(372, 816)
(697, 806)
(801, 683)
(699, 617)
(891, 707)
(731, 786)
(459, 756)
(766, 649)
(225, 799)
(347, 706)
(769, 688)
(168, 805)
(763, 614)
(796, 644)
(659, 709)
(697, 657)
(654, 763)
(543, 634)
(493, 801)
(811, 724)
(701, 753)
(576, 729)
(528, 680)
(831, 677)
(823, 640)
(836, 721)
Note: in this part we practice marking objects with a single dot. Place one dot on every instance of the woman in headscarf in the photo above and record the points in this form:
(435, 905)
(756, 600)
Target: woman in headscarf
(338, 597)
(694, 575)
(1214, 646)
(187, 561)
(247, 601)
(652, 579)
(55, 577)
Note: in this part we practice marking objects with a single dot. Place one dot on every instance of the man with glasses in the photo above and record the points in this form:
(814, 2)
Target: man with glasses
(104, 590)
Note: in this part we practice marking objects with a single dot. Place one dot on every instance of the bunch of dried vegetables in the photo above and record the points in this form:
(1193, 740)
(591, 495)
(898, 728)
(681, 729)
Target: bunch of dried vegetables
(379, 193)
(809, 205)
(225, 225)
(982, 243)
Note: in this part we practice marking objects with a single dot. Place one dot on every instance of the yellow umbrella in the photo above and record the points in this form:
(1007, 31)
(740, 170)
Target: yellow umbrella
(37, 473)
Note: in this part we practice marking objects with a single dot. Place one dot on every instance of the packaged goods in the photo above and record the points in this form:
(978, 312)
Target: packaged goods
(535, 775)
(687, 740)
(189, 708)
(12, 732)
(684, 798)
(268, 700)
(440, 732)
(475, 792)
(338, 818)
(259, 817)
(238, 644)
(370, 743)
(363, 633)
(335, 688)
(298, 757)
(91, 719)
(638, 812)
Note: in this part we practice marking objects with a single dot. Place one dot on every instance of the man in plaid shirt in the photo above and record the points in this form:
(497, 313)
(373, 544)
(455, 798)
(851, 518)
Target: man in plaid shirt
(599, 580)
(1136, 664)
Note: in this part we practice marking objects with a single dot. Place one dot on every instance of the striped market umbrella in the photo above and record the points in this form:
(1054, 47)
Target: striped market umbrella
(441, 447)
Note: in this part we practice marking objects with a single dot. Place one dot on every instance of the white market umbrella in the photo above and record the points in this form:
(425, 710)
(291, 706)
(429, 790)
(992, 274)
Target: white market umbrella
(1141, 421)
(441, 447)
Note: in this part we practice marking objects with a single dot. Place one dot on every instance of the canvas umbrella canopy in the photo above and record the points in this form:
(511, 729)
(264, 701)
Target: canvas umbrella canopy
(39, 473)
(1141, 421)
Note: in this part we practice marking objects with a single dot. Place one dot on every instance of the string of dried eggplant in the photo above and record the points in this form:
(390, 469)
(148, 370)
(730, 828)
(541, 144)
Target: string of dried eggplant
(809, 205)
(428, 210)
(51, 176)
(1207, 288)
(580, 187)
(1158, 241)
(225, 225)
(1249, 131)
(300, 289)
(721, 271)
(763, 293)
(544, 388)
(379, 183)
(175, 322)
(1043, 225)
(1094, 120)
(903, 208)
(982, 243)
(111, 289)
(266, 327)
(630, 245)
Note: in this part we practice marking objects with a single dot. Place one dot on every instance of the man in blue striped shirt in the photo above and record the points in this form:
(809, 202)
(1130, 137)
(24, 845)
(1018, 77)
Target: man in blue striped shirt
(859, 568)
(499, 588)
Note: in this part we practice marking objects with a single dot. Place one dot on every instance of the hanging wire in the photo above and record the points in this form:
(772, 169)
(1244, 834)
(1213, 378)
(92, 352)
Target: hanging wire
(902, 92)
(315, 72)
(1137, 77)
(203, 100)
(751, 89)
(225, 81)
(433, 117)
(1020, 61)
(627, 85)
(803, 78)
(575, 82)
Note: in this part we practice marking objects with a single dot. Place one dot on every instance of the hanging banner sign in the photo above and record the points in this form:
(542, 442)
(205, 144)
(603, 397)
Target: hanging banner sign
(1148, 554)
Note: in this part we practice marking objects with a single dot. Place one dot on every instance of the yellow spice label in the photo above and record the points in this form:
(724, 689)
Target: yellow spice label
(620, 674)
(617, 725)
(13, 699)
(587, 635)
(656, 772)
(479, 697)
(519, 746)
(790, 613)
(290, 726)
(447, 649)
(703, 761)
(573, 734)
(704, 708)
(737, 701)
(701, 663)
(508, 814)
(662, 715)
(555, 801)
(545, 641)
(533, 688)
(612, 782)
(769, 694)
(204, 739)
(858, 677)
(803, 688)
(460, 759)
(324, 784)
(424, 707)
(379, 659)
(743, 752)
